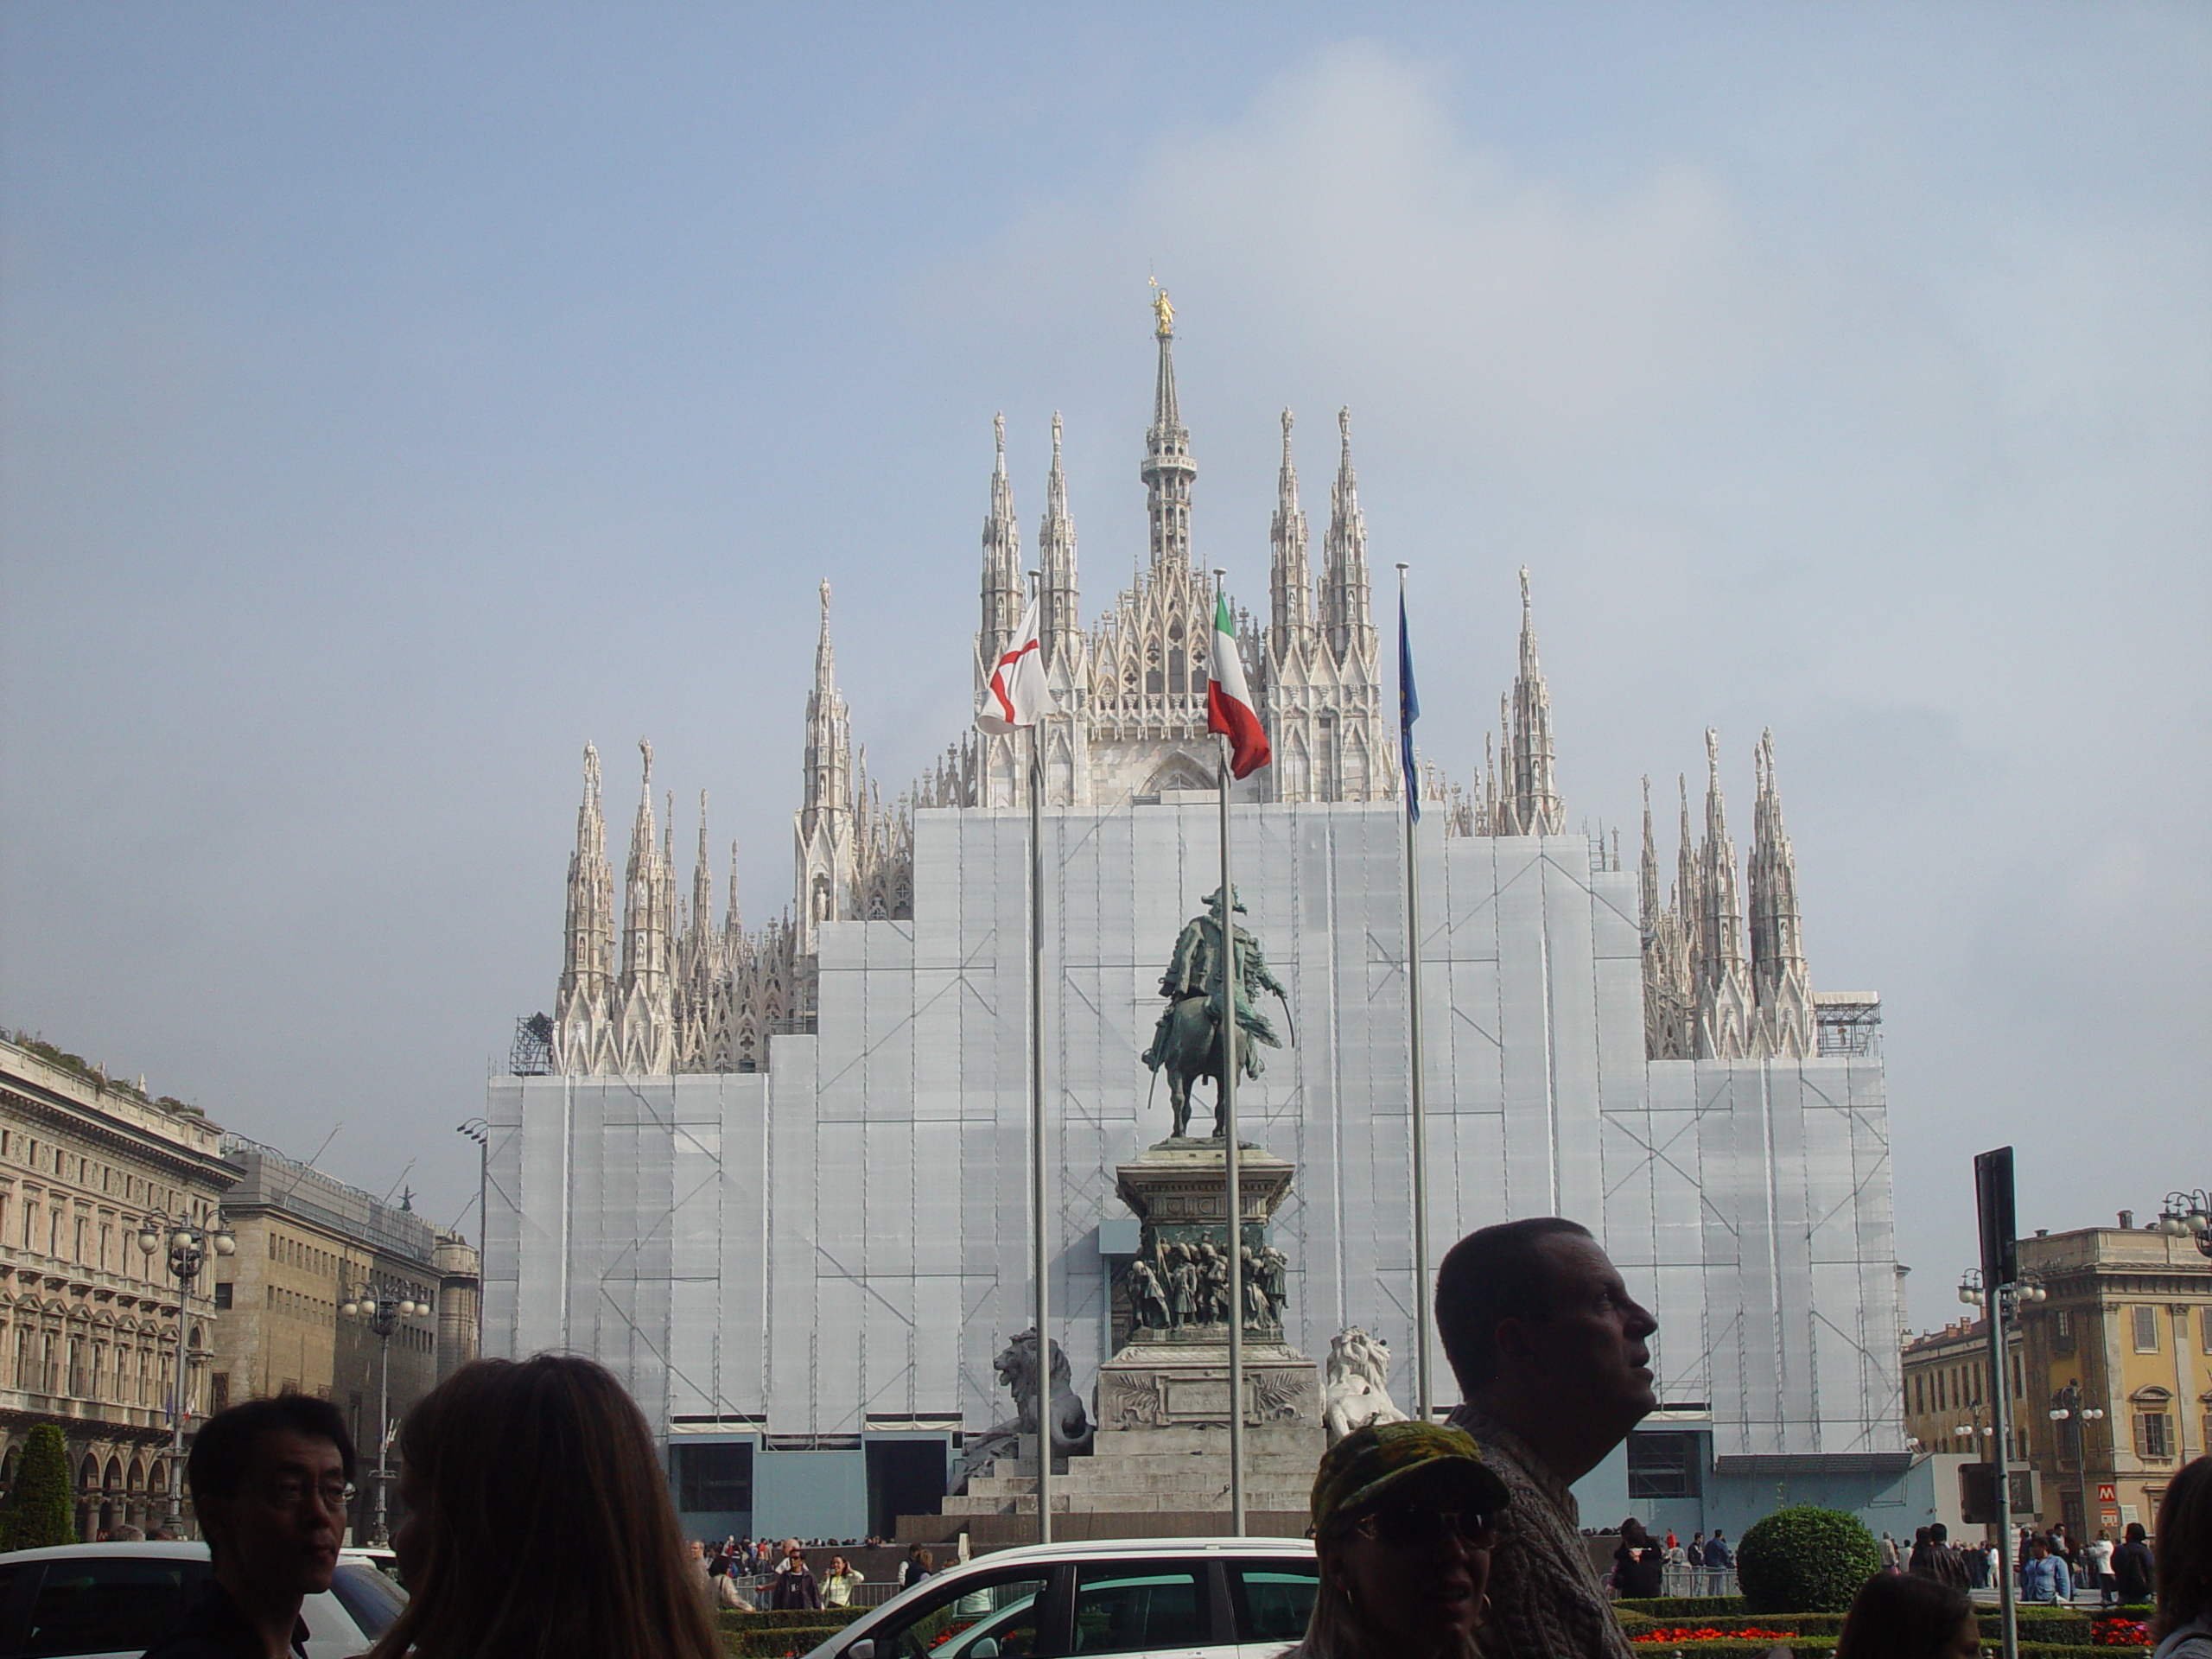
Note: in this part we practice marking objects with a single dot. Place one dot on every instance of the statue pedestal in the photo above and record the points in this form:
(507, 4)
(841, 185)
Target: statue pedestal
(1173, 1372)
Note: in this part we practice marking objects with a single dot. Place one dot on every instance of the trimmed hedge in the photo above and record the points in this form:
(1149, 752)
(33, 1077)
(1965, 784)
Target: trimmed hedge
(774, 1641)
(1805, 1559)
(829, 1618)
(1681, 1610)
(773, 1635)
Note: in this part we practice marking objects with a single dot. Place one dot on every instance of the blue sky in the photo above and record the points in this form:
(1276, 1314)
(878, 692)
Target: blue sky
(392, 397)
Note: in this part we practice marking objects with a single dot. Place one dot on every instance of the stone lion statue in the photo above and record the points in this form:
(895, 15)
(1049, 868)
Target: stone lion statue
(1357, 1391)
(1016, 1367)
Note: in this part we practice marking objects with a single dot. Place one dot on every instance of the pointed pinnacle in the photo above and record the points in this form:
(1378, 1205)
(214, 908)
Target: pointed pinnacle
(998, 430)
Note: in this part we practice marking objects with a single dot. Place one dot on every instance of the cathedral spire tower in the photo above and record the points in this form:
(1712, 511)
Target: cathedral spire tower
(1669, 998)
(1290, 583)
(1725, 1009)
(1779, 983)
(1059, 617)
(1168, 469)
(582, 1004)
(1003, 590)
(1537, 808)
(645, 1021)
(1345, 616)
(825, 826)
(1648, 905)
(702, 879)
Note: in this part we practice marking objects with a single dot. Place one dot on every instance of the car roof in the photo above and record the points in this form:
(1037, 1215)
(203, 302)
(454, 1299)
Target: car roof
(159, 1549)
(1081, 1550)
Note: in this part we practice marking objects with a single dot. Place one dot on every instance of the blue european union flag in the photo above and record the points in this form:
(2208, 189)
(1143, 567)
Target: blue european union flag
(1409, 712)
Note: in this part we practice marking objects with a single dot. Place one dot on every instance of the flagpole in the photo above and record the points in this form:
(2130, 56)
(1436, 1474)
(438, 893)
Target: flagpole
(1231, 1162)
(1037, 1184)
(1424, 1390)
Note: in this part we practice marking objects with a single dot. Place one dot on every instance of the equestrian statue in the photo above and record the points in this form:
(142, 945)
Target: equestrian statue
(1186, 1043)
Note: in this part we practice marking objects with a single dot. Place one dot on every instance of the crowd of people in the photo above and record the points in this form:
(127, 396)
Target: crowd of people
(2048, 1566)
(537, 1524)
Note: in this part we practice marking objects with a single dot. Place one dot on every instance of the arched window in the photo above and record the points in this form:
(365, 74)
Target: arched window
(1155, 681)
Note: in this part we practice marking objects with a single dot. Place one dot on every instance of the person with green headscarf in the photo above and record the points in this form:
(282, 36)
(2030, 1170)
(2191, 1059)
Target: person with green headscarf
(1402, 1522)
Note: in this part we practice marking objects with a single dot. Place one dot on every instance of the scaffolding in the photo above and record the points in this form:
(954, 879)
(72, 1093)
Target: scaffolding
(1847, 1022)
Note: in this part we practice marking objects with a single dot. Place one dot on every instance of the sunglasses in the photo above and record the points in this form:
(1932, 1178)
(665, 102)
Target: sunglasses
(1418, 1529)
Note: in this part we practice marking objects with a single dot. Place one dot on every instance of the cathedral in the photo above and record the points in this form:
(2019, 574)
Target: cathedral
(769, 1173)
(696, 992)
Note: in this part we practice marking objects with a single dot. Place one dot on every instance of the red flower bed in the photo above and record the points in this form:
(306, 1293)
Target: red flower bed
(1709, 1633)
(2119, 1633)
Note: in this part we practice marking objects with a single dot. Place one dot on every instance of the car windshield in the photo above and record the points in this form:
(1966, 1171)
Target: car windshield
(940, 1626)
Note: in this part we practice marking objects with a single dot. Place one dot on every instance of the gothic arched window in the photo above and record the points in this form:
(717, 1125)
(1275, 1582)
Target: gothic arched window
(1155, 681)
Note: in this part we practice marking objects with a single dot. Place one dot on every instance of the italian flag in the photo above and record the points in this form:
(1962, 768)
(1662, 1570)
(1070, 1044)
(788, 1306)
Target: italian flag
(1229, 699)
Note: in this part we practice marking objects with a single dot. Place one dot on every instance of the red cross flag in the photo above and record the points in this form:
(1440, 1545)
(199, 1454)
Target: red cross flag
(1017, 694)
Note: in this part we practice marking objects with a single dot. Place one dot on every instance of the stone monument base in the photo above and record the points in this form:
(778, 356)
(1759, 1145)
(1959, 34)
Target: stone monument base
(1150, 1483)
(1162, 1385)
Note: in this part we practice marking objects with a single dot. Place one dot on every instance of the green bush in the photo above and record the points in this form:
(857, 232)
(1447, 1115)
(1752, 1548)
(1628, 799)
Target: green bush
(42, 1511)
(828, 1618)
(1805, 1559)
(1682, 1610)
(770, 1638)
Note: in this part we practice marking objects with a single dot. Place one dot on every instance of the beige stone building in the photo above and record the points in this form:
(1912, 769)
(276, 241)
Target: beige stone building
(2122, 1343)
(91, 1325)
(307, 1243)
(1947, 1389)
(2128, 1322)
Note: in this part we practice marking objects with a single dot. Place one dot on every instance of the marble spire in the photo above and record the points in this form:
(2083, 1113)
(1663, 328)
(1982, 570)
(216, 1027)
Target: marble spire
(1004, 592)
(1346, 620)
(1725, 1009)
(1780, 983)
(582, 1004)
(1290, 582)
(1059, 616)
(1537, 808)
(1168, 469)
(824, 827)
(645, 1019)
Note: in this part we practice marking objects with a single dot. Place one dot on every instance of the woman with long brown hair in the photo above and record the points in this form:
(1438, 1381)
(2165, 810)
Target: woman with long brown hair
(539, 1524)
(2183, 1628)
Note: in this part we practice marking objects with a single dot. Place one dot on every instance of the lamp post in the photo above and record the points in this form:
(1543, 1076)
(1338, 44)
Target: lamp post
(480, 1130)
(381, 1310)
(2188, 1214)
(188, 1245)
(1977, 1433)
(2066, 1408)
(2006, 1313)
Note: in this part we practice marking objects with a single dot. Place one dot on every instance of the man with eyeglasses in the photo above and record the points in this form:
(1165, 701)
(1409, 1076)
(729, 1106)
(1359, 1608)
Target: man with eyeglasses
(270, 1483)
(1550, 1351)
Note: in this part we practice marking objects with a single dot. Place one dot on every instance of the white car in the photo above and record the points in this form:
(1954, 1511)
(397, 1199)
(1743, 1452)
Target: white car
(114, 1601)
(1160, 1597)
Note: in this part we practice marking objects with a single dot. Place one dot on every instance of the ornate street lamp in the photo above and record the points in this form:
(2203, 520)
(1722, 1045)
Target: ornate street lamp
(2066, 1408)
(188, 1245)
(2188, 1214)
(381, 1310)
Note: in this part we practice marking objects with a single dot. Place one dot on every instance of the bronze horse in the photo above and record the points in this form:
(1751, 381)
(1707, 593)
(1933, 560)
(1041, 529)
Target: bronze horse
(1188, 1047)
